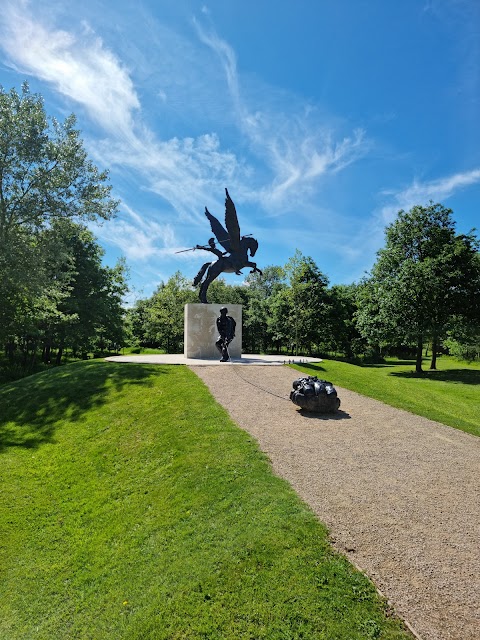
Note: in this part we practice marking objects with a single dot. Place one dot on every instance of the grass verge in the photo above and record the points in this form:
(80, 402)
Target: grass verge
(133, 508)
(450, 395)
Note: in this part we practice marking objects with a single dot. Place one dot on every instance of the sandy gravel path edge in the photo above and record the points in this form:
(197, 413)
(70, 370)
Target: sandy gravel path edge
(398, 492)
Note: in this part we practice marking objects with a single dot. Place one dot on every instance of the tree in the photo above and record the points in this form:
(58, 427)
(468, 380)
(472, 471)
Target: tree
(76, 300)
(44, 170)
(344, 335)
(302, 309)
(46, 180)
(164, 313)
(463, 339)
(93, 307)
(425, 274)
(259, 330)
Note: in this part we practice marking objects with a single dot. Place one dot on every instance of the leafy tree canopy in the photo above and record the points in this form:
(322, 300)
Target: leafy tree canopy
(54, 290)
(425, 274)
(44, 170)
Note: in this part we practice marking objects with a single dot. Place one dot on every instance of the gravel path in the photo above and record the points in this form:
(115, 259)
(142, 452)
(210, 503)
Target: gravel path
(398, 492)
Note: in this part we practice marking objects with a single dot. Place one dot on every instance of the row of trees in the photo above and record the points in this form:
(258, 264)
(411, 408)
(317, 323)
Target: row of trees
(423, 289)
(54, 291)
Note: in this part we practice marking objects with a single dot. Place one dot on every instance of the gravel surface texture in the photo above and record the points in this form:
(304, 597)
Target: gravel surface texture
(398, 492)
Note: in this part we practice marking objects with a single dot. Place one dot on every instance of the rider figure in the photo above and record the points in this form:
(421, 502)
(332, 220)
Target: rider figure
(226, 328)
(211, 247)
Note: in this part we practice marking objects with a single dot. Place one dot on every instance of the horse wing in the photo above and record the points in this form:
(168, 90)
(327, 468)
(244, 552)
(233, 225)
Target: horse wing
(231, 222)
(220, 233)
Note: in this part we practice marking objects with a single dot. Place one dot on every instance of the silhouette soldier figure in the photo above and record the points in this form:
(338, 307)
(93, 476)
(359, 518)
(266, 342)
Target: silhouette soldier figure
(226, 328)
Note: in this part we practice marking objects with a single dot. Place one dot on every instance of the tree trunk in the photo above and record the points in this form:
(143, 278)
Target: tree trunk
(33, 357)
(58, 360)
(433, 363)
(46, 352)
(418, 363)
(11, 351)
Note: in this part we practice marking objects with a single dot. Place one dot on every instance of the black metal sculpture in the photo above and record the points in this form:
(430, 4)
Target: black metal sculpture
(316, 395)
(226, 329)
(235, 256)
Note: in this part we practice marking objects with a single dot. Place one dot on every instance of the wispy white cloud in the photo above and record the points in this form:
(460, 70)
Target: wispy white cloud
(80, 67)
(289, 148)
(298, 149)
(137, 237)
(301, 160)
(292, 152)
(357, 243)
(422, 192)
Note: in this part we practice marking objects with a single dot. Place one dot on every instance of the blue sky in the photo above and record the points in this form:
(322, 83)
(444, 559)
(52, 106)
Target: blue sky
(322, 118)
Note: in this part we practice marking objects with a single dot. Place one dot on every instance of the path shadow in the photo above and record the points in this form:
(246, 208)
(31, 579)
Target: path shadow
(338, 415)
(31, 408)
(458, 376)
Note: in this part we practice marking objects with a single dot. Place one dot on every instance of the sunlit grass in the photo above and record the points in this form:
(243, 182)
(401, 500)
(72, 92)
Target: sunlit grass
(125, 351)
(450, 395)
(133, 508)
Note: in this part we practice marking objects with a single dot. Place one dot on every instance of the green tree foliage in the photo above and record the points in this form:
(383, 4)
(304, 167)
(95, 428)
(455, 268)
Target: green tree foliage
(163, 314)
(425, 285)
(53, 288)
(76, 301)
(44, 170)
(463, 338)
(259, 329)
(345, 337)
(425, 274)
(300, 311)
(285, 307)
(93, 307)
(309, 311)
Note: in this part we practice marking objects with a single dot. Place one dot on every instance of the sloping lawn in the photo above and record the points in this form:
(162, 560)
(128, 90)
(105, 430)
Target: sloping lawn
(133, 508)
(450, 395)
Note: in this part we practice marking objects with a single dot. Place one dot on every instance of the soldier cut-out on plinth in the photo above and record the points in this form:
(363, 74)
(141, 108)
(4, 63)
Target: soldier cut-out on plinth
(226, 329)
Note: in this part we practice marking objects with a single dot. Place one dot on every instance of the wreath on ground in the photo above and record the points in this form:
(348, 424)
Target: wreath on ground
(312, 394)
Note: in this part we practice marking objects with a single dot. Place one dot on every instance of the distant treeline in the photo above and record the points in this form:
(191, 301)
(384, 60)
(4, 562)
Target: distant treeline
(56, 295)
(423, 294)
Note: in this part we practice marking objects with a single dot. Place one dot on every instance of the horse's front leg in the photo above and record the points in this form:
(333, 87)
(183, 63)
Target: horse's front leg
(254, 267)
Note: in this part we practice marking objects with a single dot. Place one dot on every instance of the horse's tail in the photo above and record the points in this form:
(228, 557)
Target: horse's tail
(200, 274)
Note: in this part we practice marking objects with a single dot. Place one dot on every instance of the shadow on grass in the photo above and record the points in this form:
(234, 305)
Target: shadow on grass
(459, 376)
(31, 408)
(313, 367)
(390, 363)
(362, 365)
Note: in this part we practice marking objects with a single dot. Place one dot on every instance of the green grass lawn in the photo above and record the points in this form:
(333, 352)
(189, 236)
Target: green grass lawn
(450, 395)
(133, 508)
(127, 351)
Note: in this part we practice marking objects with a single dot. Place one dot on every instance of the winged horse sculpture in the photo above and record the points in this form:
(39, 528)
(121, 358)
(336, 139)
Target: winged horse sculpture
(237, 248)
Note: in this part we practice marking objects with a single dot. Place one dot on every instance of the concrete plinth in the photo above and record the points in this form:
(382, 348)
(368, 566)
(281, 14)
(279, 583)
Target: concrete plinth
(201, 330)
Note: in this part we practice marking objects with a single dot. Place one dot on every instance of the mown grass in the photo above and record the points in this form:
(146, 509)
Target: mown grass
(450, 395)
(140, 350)
(10, 372)
(133, 508)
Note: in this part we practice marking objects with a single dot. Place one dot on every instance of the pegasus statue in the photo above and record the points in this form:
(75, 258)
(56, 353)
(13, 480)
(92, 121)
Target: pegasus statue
(236, 249)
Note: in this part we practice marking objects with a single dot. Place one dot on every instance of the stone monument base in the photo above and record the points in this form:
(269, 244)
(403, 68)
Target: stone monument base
(201, 330)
